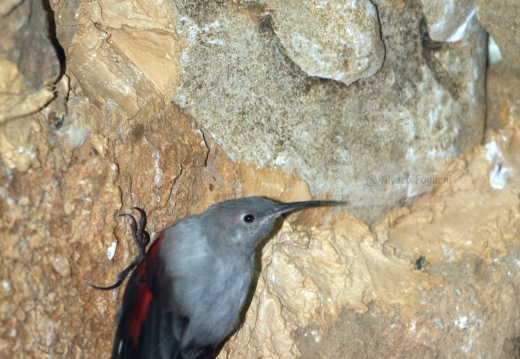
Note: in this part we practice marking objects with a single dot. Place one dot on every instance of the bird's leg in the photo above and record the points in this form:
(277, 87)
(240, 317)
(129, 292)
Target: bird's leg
(141, 236)
(141, 239)
(121, 276)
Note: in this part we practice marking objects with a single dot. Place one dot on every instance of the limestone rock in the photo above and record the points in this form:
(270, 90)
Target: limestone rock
(158, 94)
(422, 106)
(28, 60)
(501, 20)
(338, 40)
(65, 13)
(69, 170)
(334, 289)
(448, 20)
(119, 56)
(503, 96)
(57, 221)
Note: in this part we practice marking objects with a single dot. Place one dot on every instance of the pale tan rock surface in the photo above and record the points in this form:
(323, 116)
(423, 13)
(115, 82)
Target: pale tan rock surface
(58, 220)
(335, 289)
(501, 18)
(28, 60)
(448, 20)
(121, 56)
(503, 96)
(327, 285)
(338, 40)
(67, 173)
(241, 83)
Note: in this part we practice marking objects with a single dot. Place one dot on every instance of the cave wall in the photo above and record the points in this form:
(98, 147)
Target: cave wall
(175, 105)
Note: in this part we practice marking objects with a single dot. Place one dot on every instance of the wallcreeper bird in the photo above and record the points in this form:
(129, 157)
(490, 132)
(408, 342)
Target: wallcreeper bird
(188, 290)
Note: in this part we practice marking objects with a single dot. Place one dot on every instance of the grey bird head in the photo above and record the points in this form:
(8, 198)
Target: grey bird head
(241, 224)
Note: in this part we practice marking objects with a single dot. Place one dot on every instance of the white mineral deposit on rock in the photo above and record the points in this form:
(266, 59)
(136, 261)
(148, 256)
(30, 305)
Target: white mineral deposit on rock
(111, 251)
(459, 33)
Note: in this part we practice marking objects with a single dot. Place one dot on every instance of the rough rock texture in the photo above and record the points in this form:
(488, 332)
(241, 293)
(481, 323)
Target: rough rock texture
(503, 96)
(65, 20)
(501, 18)
(121, 57)
(448, 20)
(71, 169)
(28, 67)
(327, 285)
(335, 289)
(338, 40)
(57, 221)
(28, 60)
(424, 104)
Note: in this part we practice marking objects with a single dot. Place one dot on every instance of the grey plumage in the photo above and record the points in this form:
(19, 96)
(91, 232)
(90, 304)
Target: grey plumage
(193, 283)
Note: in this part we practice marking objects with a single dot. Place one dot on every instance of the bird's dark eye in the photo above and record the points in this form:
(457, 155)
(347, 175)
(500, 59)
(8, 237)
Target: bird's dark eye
(248, 218)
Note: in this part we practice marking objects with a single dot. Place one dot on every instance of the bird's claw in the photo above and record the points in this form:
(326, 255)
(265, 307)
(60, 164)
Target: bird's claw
(141, 239)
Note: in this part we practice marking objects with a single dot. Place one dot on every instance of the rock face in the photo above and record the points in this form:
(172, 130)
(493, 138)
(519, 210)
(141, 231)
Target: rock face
(58, 221)
(241, 82)
(448, 20)
(28, 60)
(28, 67)
(174, 105)
(338, 40)
(337, 289)
(502, 20)
(70, 169)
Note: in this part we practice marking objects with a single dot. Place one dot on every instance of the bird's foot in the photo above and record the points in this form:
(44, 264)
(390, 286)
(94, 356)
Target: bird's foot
(141, 239)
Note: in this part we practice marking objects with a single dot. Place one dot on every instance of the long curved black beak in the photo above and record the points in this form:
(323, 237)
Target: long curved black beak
(282, 208)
